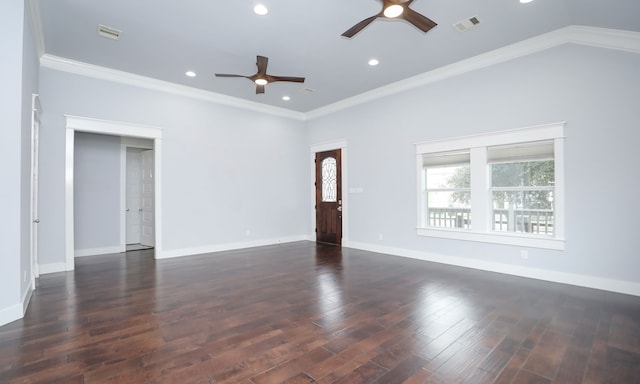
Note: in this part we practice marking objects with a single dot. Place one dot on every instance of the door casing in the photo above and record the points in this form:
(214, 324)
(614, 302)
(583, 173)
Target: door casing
(84, 124)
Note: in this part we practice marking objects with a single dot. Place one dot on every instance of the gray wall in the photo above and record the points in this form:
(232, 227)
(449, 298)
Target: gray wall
(596, 91)
(96, 191)
(19, 79)
(224, 170)
(11, 28)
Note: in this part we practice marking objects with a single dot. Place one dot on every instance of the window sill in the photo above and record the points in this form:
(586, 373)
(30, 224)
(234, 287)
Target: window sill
(495, 238)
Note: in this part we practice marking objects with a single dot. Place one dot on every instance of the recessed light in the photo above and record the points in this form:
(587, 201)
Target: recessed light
(190, 74)
(393, 11)
(525, 1)
(286, 98)
(260, 9)
(373, 62)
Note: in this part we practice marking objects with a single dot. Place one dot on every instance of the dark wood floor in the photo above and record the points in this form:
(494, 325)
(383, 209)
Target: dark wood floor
(307, 313)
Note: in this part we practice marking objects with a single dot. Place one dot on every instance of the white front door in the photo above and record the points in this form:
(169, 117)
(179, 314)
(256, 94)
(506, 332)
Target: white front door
(133, 196)
(148, 203)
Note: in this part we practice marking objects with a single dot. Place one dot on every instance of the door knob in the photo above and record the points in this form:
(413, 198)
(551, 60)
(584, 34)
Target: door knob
(340, 209)
(127, 209)
(37, 221)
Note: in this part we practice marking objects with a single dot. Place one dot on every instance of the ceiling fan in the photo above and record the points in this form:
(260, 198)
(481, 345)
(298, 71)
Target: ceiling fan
(261, 78)
(395, 9)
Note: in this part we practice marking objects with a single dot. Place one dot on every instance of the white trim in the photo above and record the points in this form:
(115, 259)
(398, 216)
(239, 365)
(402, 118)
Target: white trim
(10, 314)
(340, 144)
(477, 144)
(619, 286)
(116, 128)
(98, 251)
(108, 74)
(69, 242)
(123, 197)
(26, 298)
(52, 268)
(36, 26)
(135, 142)
(167, 254)
(493, 237)
(83, 124)
(617, 39)
(509, 136)
(628, 41)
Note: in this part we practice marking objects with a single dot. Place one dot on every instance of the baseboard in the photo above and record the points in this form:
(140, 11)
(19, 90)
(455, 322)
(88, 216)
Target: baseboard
(11, 313)
(619, 286)
(17, 311)
(98, 251)
(52, 268)
(26, 298)
(168, 254)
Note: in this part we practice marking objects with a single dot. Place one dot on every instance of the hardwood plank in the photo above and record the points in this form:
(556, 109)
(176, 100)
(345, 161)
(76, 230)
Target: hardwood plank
(309, 313)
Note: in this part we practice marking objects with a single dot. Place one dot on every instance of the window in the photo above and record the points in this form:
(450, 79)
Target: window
(504, 187)
(447, 192)
(522, 185)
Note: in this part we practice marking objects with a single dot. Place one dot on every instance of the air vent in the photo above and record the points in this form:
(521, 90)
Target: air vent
(465, 24)
(108, 32)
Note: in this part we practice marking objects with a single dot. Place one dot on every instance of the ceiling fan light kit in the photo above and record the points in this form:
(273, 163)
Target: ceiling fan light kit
(261, 78)
(395, 9)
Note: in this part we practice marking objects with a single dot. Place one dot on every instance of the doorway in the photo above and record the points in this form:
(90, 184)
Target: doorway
(328, 191)
(81, 124)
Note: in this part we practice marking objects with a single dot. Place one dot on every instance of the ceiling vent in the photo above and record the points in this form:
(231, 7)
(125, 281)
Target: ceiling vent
(108, 32)
(465, 24)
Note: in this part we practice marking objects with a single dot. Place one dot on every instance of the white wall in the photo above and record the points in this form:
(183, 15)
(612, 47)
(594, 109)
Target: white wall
(224, 170)
(19, 79)
(596, 91)
(96, 191)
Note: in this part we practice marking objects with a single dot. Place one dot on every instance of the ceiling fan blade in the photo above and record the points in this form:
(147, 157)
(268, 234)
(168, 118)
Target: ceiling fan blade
(262, 65)
(286, 78)
(228, 75)
(359, 27)
(259, 89)
(420, 21)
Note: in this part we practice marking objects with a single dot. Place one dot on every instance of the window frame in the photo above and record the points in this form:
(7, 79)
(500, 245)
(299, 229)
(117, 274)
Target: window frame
(481, 199)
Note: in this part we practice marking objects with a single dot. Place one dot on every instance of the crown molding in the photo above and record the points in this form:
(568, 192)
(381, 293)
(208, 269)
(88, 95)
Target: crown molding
(627, 41)
(108, 74)
(590, 36)
(36, 26)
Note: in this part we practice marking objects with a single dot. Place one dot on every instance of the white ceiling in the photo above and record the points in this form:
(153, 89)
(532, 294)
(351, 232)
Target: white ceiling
(162, 39)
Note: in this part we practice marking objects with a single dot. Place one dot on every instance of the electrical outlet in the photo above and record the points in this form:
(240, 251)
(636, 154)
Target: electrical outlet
(24, 276)
(524, 254)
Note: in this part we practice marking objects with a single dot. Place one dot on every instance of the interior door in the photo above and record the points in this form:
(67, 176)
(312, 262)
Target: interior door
(147, 236)
(133, 196)
(329, 197)
(35, 220)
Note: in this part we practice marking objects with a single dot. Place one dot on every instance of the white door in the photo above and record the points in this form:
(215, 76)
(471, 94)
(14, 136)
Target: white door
(133, 196)
(35, 220)
(148, 204)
